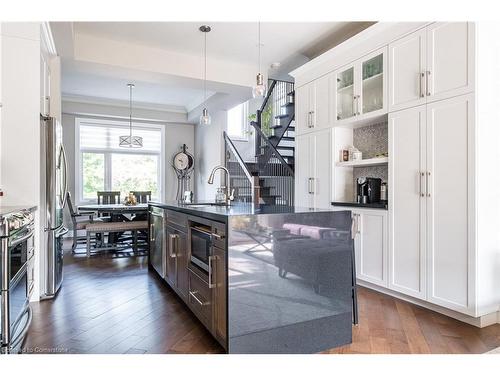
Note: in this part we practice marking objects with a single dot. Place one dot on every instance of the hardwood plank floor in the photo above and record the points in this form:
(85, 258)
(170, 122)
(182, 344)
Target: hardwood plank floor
(389, 325)
(115, 305)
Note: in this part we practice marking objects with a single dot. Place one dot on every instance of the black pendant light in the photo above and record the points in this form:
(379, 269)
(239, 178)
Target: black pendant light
(130, 141)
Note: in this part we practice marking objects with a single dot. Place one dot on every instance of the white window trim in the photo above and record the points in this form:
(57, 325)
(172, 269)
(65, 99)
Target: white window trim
(104, 122)
(246, 125)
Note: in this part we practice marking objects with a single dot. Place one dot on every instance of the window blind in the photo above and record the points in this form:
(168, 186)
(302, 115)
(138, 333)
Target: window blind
(95, 136)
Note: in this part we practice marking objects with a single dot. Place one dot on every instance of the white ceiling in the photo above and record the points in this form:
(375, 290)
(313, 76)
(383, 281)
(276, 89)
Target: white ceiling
(93, 85)
(233, 41)
(291, 44)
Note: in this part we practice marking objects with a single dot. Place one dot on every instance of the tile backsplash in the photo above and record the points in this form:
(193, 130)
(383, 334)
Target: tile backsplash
(371, 140)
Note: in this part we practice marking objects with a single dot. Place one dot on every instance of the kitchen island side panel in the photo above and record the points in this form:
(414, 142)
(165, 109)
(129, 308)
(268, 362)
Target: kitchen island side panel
(289, 282)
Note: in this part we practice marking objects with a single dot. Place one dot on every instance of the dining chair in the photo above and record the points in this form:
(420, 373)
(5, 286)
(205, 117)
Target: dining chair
(80, 222)
(142, 196)
(108, 197)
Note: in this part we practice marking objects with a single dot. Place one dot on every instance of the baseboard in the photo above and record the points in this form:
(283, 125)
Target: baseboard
(481, 321)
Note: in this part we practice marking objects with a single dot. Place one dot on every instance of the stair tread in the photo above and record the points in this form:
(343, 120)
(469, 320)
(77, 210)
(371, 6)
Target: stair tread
(284, 138)
(285, 115)
(285, 147)
(291, 93)
(289, 104)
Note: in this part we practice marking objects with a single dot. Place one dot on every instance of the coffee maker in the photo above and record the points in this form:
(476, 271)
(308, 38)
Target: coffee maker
(368, 190)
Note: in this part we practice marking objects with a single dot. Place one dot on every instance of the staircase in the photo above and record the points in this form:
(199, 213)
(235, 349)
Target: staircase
(270, 180)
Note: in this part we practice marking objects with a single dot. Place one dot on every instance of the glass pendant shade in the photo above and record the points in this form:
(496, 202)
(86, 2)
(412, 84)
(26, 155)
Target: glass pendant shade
(205, 117)
(259, 90)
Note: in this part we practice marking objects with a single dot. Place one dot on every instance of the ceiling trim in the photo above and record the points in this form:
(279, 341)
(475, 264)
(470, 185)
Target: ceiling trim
(122, 103)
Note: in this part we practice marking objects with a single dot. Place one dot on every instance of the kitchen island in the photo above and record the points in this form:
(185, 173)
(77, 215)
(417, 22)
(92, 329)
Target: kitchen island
(268, 279)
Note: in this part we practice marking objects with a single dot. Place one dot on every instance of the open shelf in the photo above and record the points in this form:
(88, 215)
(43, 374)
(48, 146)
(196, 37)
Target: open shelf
(363, 163)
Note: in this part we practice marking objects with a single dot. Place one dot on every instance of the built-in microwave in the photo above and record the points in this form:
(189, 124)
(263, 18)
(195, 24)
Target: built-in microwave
(201, 245)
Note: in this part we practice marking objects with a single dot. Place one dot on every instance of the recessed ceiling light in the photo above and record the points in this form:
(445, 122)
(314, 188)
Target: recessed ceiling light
(275, 65)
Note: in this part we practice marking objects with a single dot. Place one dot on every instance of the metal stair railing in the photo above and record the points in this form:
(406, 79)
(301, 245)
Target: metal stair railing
(276, 174)
(241, 179)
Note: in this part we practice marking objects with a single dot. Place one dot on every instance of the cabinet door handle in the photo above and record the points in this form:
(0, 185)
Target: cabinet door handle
(218, 236)
(47, 99)
(354, 226)
(312, 119)
(192, 294)
(358, 226)
(171, 252)
(151, 232)
(422, 84)
(311, 185)
(427, 186)
(357, 105)
(427, 83)
(354, 105)
(421, 179)
(211, 285)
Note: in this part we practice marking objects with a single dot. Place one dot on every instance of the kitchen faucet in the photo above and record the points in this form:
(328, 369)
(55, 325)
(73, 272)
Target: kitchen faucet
(229, 192)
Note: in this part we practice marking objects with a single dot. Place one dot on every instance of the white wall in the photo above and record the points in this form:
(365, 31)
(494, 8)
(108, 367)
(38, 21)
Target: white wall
(209, 152)
(20, 122)
(209, 145)
(176, 134)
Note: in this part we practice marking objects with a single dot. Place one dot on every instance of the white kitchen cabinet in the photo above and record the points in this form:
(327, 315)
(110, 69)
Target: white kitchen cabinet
(431, 64)
(44, 85)
(430, 172)
(370, 245)
(302, 109)
(303, 171)
(407, 166)
(407, 71)
(450, 60)
(346, 93)
(450, 201)
(362, 87)
(313, 170)
(313, 105)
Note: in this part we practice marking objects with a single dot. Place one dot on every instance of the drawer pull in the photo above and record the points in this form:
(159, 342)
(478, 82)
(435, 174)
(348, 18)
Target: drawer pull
(200, 302)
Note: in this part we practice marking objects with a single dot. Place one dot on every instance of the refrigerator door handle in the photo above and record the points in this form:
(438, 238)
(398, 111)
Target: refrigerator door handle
(64, 193)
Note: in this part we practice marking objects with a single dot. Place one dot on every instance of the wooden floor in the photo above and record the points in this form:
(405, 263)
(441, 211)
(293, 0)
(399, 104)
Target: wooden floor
(110, 305)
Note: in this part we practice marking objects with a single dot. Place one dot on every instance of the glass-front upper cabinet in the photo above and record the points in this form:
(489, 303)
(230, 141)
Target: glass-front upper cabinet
(345, 94)
(362, 88)
(372, 86)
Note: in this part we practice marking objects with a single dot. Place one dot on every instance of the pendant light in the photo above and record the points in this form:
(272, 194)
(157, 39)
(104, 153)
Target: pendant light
(205, 117)
(259, 90)
(131, 141)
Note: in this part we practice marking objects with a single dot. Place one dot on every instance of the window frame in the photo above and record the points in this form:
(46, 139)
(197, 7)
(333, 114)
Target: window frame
(108, 154)
(245, 137)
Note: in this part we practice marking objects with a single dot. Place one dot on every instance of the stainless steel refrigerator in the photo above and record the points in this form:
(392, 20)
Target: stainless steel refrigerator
(55, 175)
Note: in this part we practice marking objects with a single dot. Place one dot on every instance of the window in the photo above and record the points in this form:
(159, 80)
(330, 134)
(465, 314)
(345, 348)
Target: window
(237, 122)
(105, 166)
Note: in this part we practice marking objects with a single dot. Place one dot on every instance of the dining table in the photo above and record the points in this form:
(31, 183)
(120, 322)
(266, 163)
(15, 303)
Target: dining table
(114, 209)
(116, 212)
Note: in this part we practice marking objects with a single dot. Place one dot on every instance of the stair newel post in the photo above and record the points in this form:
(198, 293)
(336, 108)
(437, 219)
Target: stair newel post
(257, 135)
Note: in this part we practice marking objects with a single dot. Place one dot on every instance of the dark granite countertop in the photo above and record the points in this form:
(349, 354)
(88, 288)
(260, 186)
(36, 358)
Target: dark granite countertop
(7, 210)
(378, 206)
(221, 212)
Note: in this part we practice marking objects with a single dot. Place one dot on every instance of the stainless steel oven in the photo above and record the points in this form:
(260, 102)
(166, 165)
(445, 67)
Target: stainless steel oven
(17, 242)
